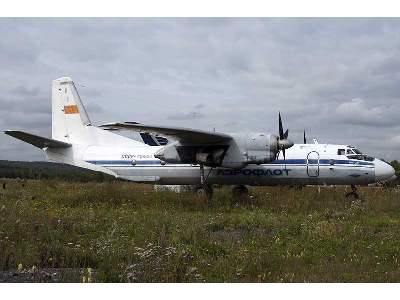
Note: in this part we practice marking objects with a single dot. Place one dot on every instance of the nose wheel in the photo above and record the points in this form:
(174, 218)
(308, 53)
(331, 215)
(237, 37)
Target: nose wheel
(354, 193)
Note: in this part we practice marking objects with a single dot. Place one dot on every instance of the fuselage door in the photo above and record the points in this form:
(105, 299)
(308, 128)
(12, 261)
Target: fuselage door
(313, 164)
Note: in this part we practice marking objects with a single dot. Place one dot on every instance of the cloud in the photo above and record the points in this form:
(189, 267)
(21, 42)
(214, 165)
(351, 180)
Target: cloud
(196, 113)
(186, 116)
(357, 112)
(336, 78)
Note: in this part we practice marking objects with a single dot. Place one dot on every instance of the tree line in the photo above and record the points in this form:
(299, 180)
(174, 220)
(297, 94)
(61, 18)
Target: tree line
(46, 170)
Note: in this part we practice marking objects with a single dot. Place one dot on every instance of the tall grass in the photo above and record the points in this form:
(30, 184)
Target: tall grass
(127, 233)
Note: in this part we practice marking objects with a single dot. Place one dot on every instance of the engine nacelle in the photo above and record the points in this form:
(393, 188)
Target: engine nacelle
(211, 155)
(242, 150)
(247, 149)
(168, 154)
(261, 148)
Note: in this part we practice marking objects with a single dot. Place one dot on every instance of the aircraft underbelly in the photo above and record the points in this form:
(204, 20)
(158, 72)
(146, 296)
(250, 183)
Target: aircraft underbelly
(252, 175)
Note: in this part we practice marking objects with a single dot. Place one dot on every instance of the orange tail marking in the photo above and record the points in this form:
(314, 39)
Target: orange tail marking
(71, 109)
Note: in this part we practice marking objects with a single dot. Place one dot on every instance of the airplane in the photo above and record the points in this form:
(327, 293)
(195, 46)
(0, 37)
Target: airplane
(196, 157)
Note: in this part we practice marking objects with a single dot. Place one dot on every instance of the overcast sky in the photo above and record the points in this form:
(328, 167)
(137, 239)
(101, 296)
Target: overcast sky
(337, 78)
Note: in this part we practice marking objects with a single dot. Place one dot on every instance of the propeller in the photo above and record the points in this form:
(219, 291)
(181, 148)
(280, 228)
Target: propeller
(283, 141)
(304, 137)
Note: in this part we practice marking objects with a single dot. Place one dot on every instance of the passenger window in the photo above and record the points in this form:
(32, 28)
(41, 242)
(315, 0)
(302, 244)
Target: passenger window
(349, 151)
(340, 152)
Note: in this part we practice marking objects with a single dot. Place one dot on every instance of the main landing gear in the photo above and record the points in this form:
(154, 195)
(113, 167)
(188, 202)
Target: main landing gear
(240, 196)
(204, 190)
(353, 194)
(240, 192)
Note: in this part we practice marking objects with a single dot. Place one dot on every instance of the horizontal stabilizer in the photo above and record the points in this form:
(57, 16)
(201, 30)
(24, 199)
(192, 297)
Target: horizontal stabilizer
(35, 140)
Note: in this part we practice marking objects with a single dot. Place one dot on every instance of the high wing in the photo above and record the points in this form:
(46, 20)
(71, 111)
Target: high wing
(35, 140)
(184, 135)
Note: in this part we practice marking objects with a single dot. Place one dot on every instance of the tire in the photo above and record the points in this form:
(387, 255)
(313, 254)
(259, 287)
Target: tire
(240, 192)
(352, 195)
(205, 192)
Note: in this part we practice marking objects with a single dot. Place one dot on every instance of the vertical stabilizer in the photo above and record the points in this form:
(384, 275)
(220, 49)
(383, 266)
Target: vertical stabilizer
(69, 114)
(71, 123)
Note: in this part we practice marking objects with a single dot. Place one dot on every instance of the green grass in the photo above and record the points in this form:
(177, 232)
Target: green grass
(127, 233)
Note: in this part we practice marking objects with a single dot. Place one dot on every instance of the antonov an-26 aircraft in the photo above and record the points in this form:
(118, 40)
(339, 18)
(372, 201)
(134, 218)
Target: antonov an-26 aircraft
(197, 157)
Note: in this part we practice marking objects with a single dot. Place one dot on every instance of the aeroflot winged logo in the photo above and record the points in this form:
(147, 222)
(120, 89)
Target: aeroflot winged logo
(256, 172)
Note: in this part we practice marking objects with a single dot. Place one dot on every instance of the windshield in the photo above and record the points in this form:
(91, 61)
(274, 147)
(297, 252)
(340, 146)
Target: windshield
(360, 157)
(354, 153)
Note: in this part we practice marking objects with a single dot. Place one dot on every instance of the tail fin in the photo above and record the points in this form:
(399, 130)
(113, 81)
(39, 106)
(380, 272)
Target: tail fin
(71, 123)
(69, 114)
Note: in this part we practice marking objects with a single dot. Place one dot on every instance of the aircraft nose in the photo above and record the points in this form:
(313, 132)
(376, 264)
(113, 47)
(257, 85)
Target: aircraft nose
(383, 171)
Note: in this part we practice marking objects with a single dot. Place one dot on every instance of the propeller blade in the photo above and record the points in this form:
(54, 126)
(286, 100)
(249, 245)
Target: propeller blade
(286, 134)
(283, 142)
(304, 137)
(280, 127)
(284, 157)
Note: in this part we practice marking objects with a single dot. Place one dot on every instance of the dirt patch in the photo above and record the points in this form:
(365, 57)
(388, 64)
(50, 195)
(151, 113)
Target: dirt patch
(50, 275)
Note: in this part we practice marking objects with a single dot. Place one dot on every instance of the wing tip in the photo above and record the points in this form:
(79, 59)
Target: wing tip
(10, 131)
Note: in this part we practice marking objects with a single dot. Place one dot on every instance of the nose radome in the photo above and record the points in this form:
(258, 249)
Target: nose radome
(383, 171)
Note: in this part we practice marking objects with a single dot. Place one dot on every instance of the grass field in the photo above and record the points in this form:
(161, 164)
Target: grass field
(124, 232)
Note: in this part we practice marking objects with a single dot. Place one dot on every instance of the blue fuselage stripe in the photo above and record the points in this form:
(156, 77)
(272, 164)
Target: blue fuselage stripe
(301, 162)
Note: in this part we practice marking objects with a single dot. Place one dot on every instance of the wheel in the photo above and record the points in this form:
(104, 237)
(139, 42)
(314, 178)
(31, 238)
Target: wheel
(240, 192)
(205, 192)
(298, 187)
(353, 195)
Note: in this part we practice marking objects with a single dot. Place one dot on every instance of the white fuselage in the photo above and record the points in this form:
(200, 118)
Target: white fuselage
(304, 164)
(77, 142)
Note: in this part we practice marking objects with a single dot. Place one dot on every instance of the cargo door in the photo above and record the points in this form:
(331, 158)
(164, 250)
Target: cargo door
(313, 164)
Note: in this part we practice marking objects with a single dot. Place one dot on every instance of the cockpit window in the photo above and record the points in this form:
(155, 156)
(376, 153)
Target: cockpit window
(354, 153)
(360, 157)
(341, 152)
